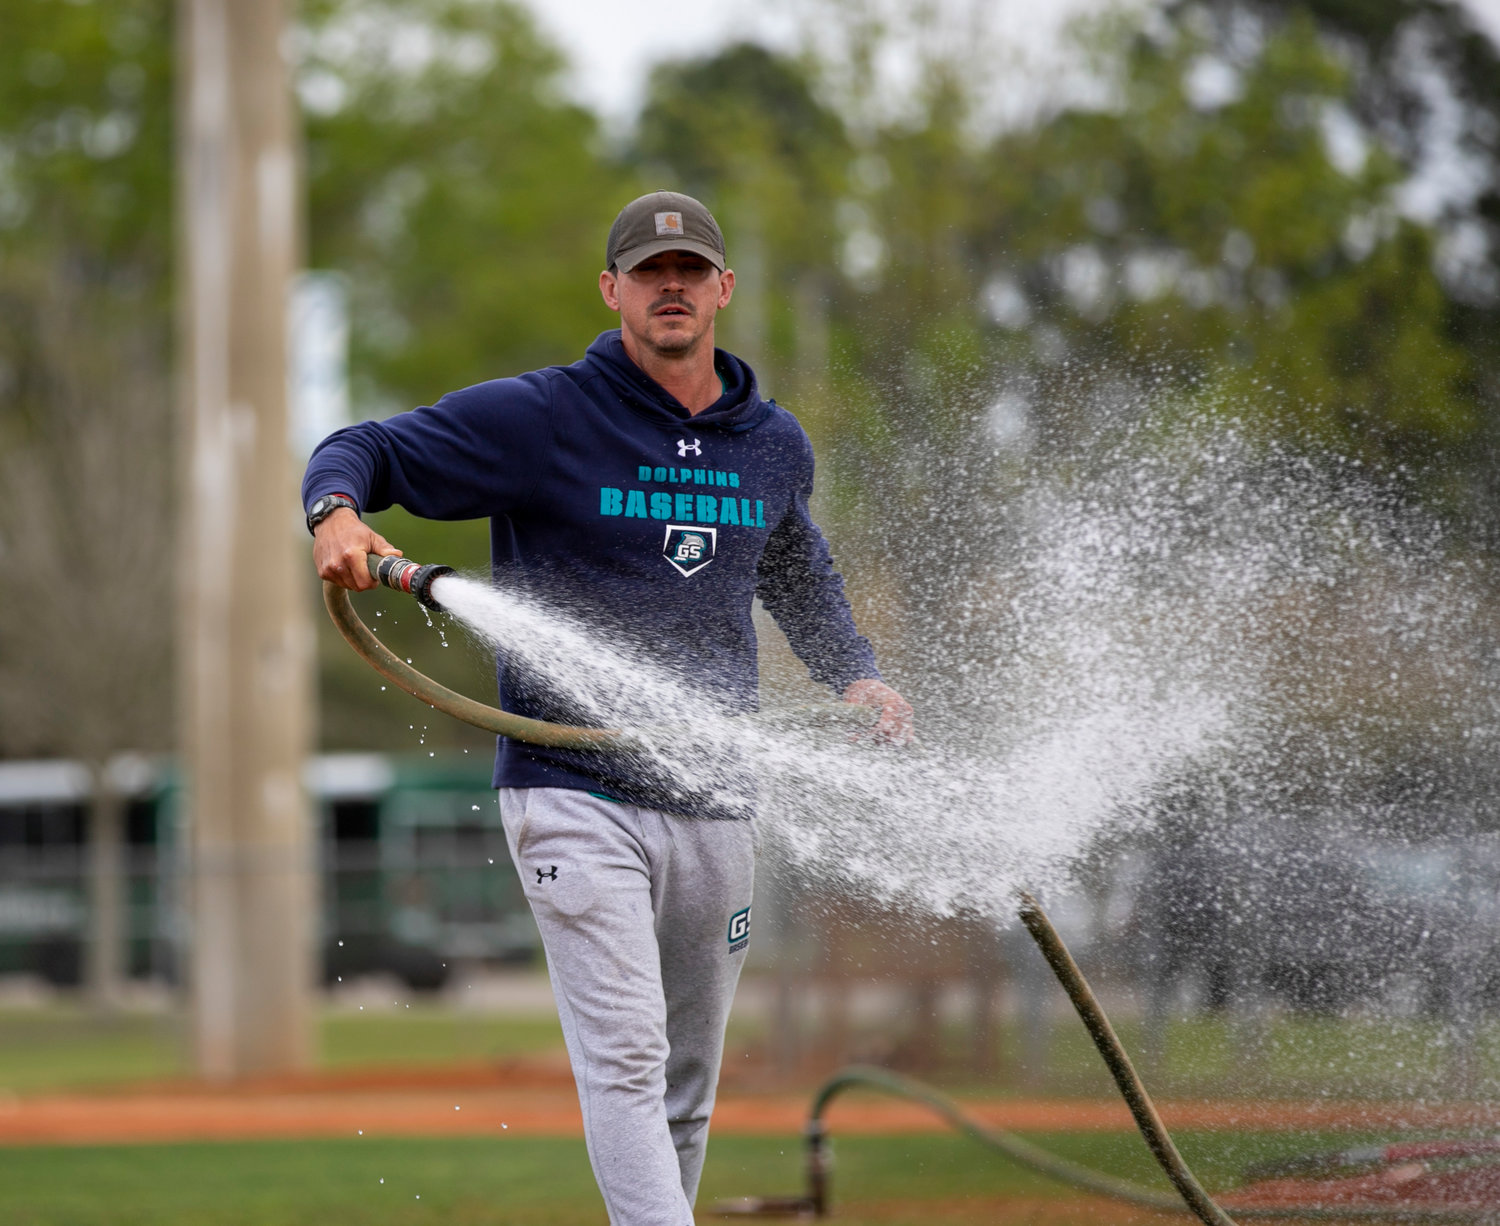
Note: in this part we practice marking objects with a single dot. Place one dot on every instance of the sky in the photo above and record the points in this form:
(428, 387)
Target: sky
(613, 43)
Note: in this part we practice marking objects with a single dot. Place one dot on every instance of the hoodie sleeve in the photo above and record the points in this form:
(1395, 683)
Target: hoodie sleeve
(475, 453)
(800, 588)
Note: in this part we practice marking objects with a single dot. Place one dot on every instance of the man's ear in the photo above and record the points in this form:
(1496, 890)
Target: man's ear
(609, 289)
(726, 287)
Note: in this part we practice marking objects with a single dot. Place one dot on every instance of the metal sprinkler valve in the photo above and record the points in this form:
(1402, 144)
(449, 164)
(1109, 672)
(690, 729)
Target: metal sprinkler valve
(819, 1166)
(404, 575)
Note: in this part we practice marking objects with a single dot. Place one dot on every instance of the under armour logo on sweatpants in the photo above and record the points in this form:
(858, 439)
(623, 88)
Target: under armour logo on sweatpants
(550, 875)
(683, 447)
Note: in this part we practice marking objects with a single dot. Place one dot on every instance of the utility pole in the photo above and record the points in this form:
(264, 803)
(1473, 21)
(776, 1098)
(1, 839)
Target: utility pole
(245, 637)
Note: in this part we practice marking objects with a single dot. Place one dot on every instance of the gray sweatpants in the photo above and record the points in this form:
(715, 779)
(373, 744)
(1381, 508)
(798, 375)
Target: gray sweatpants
(644, 917)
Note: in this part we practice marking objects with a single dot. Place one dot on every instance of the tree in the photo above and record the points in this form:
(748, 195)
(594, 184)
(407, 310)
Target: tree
(464, 197)
(85, 405)
(742, 130)
(467, 202)
(1425, 86)
(1215, 235)
(85, 244)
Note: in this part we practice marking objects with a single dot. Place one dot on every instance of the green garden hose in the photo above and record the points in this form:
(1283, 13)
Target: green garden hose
(402, 675)
(1158, 1140)
(817, 1202)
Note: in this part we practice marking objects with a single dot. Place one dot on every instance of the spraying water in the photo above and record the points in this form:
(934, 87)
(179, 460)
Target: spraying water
(1263, 634)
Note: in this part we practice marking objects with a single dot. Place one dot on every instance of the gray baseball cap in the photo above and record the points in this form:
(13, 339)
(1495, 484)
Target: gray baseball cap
(663, 221)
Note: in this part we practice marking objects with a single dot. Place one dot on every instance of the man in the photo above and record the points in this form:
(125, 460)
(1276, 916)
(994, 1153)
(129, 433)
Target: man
(651, 491)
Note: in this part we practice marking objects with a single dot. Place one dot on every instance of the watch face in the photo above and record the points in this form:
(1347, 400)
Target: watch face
(325, 506)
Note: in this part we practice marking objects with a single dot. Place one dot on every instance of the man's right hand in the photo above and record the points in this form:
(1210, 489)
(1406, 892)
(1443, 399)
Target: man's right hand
(341, 544)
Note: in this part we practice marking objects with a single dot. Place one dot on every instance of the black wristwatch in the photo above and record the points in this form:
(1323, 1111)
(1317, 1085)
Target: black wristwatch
(326, 506)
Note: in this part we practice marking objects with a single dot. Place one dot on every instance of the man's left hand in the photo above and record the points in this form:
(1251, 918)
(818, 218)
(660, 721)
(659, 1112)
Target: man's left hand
(894, 727)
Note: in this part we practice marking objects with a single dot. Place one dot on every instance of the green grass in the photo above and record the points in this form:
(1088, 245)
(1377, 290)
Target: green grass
(66, 1047)
(535, 1182)
(1289, 1057)
(430, 1034)
(61, 1047)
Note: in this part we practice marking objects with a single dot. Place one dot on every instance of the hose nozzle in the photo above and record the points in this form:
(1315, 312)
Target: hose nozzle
(404, 575)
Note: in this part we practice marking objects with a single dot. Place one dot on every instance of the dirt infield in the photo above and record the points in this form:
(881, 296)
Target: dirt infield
(537, 1099)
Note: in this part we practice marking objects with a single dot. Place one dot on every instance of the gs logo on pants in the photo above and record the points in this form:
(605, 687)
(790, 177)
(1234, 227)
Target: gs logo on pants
(689, 548)
(739, 930)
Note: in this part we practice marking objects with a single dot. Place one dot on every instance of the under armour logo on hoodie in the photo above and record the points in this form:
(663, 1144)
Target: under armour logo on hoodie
(549, 876)
(683, 447)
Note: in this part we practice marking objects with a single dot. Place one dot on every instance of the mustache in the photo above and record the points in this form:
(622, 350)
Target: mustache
(676, 300)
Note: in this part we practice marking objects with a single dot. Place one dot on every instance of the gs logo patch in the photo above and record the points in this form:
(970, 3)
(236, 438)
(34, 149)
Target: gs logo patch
(739, 930)
(689, 548)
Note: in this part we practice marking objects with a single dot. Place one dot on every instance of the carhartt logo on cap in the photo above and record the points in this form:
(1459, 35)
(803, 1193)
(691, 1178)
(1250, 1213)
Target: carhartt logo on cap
(661, 222)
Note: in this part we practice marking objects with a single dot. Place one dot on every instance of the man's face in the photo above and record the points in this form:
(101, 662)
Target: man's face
(667, 303)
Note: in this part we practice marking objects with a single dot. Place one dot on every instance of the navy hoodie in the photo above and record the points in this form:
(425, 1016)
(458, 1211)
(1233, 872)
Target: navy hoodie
(607, 498)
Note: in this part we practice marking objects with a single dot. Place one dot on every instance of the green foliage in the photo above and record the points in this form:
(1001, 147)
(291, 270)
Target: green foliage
(464, 197)
(742, 129)
(1229, 218)
(85, 131)
(1218, 238)
(85, 188)
(85, 408)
